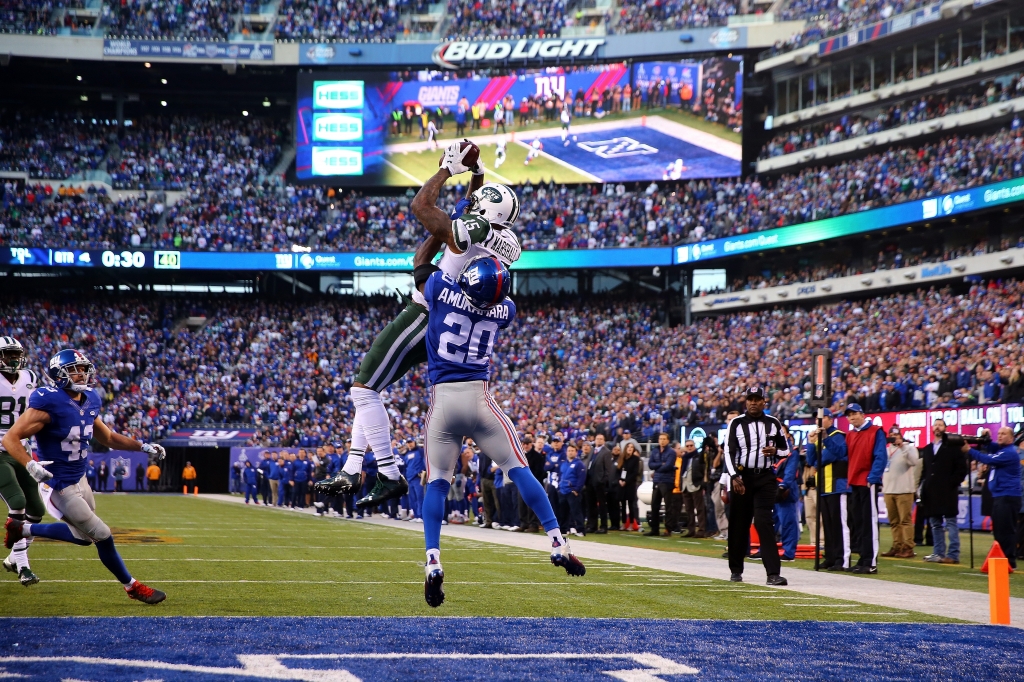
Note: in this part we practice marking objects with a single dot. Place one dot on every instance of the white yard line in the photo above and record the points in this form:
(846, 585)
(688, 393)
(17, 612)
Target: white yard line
(569, 166)
(405, 173)
(936, 601)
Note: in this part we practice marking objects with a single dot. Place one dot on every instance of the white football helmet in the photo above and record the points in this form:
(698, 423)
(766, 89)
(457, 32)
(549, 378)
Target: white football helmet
(12, 355)
(496, 203)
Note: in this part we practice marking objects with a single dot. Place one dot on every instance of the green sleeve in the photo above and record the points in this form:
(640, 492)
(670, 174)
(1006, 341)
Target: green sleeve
(469, 230)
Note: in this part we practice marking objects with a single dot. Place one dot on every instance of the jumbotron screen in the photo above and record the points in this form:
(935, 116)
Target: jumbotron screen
(641, 121)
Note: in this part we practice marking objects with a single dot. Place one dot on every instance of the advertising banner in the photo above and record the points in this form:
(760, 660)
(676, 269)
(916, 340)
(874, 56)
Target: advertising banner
(188, 49)
(213, 437)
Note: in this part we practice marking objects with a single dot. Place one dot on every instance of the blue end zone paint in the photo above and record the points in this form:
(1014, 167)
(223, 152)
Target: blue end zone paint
(382, 649)
(699, 162)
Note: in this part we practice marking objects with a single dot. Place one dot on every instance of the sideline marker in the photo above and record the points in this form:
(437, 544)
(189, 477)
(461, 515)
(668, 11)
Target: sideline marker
(999, 591)
(996, 552)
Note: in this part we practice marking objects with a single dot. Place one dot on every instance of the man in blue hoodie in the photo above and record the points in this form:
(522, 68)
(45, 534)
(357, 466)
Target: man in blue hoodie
(662, 464)
(1004, 482)
(414, 466)
(300, 478)
(833, 491)
(250, 478)
(572, 476)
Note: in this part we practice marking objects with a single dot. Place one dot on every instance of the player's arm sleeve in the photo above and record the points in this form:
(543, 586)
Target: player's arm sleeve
(469, 230)
(42, 398)
(728, 448)
(511, 314)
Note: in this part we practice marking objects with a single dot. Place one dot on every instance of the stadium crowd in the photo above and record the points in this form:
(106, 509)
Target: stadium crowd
(485, 19)
(568, 365)
(341, 19)
(206, 19)
(54, 146)
(175, 152)
(893, 116)
(829, 17)
(667, 15)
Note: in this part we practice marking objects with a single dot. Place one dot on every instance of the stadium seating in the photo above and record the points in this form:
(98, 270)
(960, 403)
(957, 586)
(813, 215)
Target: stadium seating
(279, 363)
(331, 20)
(896, 114)
(829, 17)
(482, 19)
(207, 19)
(668, 15)
(54, 146)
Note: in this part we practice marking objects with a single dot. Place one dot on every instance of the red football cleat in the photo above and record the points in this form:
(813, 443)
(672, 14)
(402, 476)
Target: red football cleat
(144, 594)
(14, 532)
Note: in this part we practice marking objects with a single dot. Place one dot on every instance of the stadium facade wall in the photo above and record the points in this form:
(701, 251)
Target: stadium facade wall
(879, 281)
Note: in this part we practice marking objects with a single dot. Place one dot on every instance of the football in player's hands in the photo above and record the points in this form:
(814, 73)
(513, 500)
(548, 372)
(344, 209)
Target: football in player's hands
(460, 157)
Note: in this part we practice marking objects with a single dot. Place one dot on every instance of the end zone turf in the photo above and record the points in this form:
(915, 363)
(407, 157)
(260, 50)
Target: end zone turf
(384, 649)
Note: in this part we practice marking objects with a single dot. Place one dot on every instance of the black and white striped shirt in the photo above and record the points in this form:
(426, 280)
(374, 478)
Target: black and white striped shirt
(745, 440)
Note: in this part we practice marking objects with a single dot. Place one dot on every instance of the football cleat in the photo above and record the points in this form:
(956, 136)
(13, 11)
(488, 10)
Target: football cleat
(383, 490)
(27, 577)
(433, 587)
(340, 484)
(144, 594)
(14, 532)
(10, 566)
(567, 560)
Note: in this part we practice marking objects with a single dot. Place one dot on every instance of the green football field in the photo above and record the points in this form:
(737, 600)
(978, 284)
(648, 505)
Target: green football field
(218, 558)
(421, 165)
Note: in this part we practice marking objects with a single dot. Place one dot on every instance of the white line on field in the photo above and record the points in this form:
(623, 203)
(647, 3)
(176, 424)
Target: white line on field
(357, 582)
(405, 173)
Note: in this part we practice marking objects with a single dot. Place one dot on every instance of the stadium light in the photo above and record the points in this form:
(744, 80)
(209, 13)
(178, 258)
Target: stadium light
(245, 113)
(146, 65)
(79, 78)
(266, 101)
(164, 81)
(163, 103)
(84, 98)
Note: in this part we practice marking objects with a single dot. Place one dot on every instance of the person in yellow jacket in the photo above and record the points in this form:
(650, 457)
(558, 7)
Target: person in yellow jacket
(188, 475)
(153, 476)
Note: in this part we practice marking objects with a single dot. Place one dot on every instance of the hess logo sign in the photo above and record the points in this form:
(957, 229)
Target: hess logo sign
(450, 55)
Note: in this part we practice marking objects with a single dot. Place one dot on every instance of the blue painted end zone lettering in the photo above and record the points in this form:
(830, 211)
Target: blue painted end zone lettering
(382, 649)
(636, 153)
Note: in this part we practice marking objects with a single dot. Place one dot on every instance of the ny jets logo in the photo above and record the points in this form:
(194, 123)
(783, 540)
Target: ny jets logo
(491, 194)
(617, 147)
(473, 276)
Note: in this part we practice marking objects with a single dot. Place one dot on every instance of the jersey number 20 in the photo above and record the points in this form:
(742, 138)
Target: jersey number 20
(467, 331)
(77, 442)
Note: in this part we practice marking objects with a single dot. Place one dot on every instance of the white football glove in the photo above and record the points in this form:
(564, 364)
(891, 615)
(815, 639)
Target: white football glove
(36, 470)
(453, 158)
(479, 168)
(154, 449)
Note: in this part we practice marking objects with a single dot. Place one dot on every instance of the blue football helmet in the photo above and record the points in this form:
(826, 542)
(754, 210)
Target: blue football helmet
(485, 282)
(61, 365)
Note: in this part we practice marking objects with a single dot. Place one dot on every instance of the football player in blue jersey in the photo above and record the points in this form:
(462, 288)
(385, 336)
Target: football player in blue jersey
(465, 316)
(63, 419)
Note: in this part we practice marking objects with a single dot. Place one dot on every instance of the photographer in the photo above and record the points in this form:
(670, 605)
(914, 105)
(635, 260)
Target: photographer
(1004, 482)
(944, 471)
(898, 487)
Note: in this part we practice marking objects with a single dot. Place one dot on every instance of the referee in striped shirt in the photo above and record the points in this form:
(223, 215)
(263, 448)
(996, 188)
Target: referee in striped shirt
(753, 444)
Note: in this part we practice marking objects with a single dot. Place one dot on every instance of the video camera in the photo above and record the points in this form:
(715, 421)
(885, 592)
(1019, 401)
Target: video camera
(957, 440)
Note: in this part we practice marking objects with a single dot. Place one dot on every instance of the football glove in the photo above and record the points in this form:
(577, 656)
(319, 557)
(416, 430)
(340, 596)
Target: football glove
(36, 471)
(479, 168)
(460, 208)
(454, 155)
(154, 449)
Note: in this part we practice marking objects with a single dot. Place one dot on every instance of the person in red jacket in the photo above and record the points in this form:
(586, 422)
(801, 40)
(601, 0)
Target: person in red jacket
(865, 444)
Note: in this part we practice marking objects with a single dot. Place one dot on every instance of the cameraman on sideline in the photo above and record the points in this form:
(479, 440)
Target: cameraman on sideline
(1004, 484)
